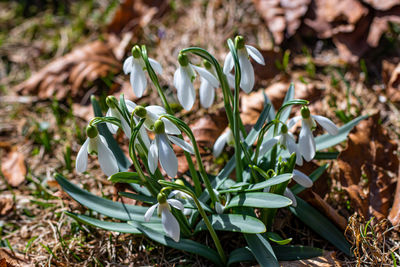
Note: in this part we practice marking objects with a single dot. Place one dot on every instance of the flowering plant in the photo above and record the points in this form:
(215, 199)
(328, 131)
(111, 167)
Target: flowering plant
(247, 204)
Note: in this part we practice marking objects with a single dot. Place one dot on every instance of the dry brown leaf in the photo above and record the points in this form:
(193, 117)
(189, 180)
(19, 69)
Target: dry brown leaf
(12, 258)
(6, 205)
(372, 153)
(13, 168)
(393, 85)
(282, 16)
(327, 260)
(380, 25)
(382, 4)
(72, 72)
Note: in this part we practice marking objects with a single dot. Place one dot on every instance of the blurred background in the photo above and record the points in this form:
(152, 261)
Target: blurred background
(342, 55)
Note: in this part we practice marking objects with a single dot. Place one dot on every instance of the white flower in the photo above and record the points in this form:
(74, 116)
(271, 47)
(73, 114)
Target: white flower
(289, 194)
(161, 150)
(225, 138)
(136, 66)
(306, 139)
(169, 222)
(302, 179)
(246, 69)
(286, 140)
(183, 81)
(153, 113)
(114, 112)
(96, 144)
(219, 207)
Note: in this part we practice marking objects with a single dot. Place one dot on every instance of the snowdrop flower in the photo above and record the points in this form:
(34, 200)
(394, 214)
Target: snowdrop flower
(225, 138)
(183, 81)
(207, 89)
(302, 179)
(96, 144)
(246, 69)
(169, 222)
(286, 141)
(152, 114)
(161, 150)
(289, 194)
(135, 65)
(219, 206)
(113, 111)
(307, 145)
(178, 193)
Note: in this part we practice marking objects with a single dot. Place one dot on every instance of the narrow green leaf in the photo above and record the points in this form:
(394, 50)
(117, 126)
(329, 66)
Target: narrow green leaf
(240, 255)
(270, 182)
(104, 206)
(141, 198)
(321, 225)
(123, 162)
(233, 223)
(125, 177)
(292, 252)
(296, 189)
(326, 140)
(183, 244)
(261, 250)
(274, 237)
(259, 200)
(326, 155)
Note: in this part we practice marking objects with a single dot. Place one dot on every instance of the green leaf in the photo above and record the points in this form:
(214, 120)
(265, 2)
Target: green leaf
(259, 200)
(141, 198)
(291, 252)
(183, 244)
(125, 177)
(240, 255)
(274, 237)
(261, 250)
(326, 140)
(321, 225)
(296, 189)
(104, 206)
(233, 223)
(326, 155)
(123, 162)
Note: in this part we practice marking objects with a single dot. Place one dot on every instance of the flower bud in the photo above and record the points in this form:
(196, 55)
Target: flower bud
(207, 64)
(140, 111)
(284, 129)
(111, 101)
(305, 112)
(239, 42)
(91, 131)
(180, 182)
(183, 60)
(161, 198)
(136, 51)
(159, 127)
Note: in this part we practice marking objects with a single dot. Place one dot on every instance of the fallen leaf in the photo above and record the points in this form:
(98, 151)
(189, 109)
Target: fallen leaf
(381, 23)
(364, 168)
(382, 4)
(12, 258)
(393, 85)
(327, 260)
(13, 168)
(6, 205)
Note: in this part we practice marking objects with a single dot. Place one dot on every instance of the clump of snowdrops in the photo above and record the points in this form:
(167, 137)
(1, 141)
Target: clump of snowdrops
(264, 163)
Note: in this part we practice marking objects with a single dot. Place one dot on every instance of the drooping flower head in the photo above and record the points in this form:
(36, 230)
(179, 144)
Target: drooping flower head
(136, 66)
(307, 145)
(169, 222)
(225, 138)
(207, 89)
(183, 81)
(246, 69)
(96, 144)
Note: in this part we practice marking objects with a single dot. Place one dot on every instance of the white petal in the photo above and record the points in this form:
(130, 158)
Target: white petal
(111, 127)
(228, 64)
(170, 127)
(220, 144)
(130, 105)
(207, 93)
(144, 136)
(181, 143)
(108, 163)
(267, 145)
(292, 122)
(255, 54)
(219, 208)
(126, 128)
(152, 158)
(231, 80)
(157, 110)
(156, 66)
(247, 73)
(138, 80)
(176, 204)
(289, 194)
(82, 157)
(306, 143)
(292, 147)
(150, 212)
(128, 65)
(302, 179)
(327, 124)
(206, 75)
(166, 155)
(170, 224)
(185, 89)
